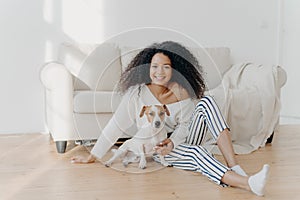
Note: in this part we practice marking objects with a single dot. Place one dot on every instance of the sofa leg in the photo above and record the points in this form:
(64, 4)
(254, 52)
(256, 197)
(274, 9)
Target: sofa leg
(61, 146)
(270, 139)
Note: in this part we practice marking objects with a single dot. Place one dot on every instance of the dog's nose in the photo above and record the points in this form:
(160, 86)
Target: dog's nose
(157, 124)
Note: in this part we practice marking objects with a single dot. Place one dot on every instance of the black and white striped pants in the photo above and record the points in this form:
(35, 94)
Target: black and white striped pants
(191, 155)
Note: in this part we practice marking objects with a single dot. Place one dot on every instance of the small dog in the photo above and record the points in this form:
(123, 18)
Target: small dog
(142, 144)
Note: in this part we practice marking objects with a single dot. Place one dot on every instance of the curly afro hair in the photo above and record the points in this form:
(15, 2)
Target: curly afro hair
(186, 69)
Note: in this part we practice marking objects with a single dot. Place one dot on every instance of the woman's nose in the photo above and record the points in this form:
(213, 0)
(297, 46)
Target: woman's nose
(160, 69)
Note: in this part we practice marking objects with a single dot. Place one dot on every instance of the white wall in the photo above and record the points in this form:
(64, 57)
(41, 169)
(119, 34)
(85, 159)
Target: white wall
(31, 31)
(21, 55)
(249, 27)
(26, 41)
(289, 58)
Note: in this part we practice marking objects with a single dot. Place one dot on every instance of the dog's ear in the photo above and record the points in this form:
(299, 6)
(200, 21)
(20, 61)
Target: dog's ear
(166, 109)
(142, 111)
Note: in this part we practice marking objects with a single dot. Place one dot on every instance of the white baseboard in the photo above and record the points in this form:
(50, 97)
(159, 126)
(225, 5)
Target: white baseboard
(289, 120)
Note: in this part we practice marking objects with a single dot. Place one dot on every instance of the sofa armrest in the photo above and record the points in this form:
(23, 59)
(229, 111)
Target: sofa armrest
(58, 83)
(56, 76)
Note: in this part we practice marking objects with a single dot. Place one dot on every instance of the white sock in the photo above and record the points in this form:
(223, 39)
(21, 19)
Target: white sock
(257, 182)
(237, 169)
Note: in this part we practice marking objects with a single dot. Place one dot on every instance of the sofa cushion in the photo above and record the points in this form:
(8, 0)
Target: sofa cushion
(95, 102)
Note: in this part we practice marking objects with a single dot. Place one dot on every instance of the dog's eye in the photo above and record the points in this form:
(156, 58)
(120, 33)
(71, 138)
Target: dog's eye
(151, 114)
(161, 113)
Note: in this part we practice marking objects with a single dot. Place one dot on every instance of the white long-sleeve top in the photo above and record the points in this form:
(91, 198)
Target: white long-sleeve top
(128, 113)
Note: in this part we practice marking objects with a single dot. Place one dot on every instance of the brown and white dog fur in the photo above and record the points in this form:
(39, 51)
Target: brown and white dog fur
(142, 144)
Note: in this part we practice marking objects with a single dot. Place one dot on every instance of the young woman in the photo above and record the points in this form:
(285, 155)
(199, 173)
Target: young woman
(167, 73)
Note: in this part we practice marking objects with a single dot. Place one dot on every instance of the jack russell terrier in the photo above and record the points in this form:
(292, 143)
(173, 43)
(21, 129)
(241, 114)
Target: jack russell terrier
(142, 144)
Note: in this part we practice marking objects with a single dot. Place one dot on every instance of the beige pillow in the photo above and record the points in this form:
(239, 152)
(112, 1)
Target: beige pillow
(87, 48)
(71, 57)
(101, 69)
(127, 55)
(215, 62)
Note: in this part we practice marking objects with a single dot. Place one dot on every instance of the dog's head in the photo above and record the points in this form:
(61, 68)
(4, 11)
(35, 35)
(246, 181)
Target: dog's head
(155, 114)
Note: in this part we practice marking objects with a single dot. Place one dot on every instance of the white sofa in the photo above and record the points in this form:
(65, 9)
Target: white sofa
(80, 87)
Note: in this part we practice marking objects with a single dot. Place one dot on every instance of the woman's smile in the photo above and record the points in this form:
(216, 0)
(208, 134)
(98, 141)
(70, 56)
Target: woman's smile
(159, 77)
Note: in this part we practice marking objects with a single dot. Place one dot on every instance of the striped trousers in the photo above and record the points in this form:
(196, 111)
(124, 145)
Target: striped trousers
(191, 155)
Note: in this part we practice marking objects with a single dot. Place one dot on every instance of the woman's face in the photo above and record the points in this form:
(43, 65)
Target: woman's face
(160, 69)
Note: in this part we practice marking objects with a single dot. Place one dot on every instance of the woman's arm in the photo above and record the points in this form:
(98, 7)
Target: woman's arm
(123, 119)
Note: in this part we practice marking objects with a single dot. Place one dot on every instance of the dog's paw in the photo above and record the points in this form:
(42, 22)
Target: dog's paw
(165, 163)
(125, 163)
(143, 165)
(107, 164)
(114, 150)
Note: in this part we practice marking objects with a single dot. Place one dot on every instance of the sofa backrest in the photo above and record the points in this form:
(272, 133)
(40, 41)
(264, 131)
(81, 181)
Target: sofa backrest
(98, 67)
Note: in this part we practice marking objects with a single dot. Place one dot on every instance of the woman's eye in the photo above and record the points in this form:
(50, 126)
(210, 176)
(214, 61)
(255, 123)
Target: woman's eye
(167, 66)
(153, 66)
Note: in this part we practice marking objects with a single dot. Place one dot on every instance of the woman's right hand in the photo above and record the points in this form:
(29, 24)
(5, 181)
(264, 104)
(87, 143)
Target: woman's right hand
(165, 147)
(83, 160)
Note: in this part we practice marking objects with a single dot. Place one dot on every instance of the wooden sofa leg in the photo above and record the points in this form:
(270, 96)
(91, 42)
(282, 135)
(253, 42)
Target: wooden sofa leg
(61, 146)
(270, 139)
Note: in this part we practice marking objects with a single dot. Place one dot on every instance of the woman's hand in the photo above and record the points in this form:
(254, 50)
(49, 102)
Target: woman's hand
(83, 160)
(165, 147)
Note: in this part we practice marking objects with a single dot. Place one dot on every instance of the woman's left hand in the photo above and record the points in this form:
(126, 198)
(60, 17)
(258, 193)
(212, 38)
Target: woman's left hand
(165, 147)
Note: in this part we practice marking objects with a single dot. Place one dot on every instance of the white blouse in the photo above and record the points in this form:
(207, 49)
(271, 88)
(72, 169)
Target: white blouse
(128, 113)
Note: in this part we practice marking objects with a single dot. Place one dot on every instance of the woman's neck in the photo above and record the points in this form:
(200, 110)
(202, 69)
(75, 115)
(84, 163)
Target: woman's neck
(163, 94)
(158, 89)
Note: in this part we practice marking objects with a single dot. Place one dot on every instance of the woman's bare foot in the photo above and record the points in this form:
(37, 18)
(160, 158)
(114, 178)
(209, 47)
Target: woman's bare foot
(83, 160)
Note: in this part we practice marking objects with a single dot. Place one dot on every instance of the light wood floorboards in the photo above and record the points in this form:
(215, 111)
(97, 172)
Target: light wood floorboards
(31, 169)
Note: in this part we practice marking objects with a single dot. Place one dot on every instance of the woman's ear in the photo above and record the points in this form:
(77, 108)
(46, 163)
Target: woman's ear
(166, 110)
(142, 111)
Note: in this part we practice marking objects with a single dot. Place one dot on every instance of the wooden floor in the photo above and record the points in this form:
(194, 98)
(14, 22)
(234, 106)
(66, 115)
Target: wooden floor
(31, 169)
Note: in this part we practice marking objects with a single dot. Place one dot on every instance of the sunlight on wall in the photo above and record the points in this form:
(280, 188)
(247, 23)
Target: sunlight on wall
(48, 11)
(48, 15)
(82, 21)
(49, 54)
